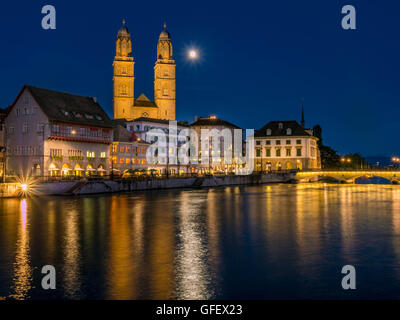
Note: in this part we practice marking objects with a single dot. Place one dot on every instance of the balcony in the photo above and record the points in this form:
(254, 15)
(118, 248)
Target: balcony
(93, 135)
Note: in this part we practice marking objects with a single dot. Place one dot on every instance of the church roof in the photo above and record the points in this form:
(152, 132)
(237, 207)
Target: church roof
(279, 128)
(123, 32)
(70, 108)
(160, 121)
(213, 121)
(143, 101)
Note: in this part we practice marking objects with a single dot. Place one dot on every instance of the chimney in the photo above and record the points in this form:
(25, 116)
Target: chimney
(95, 99)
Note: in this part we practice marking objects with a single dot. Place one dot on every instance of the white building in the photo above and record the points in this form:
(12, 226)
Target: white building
(142, 126)
(215, 155)
(56, 134)
(285, 145)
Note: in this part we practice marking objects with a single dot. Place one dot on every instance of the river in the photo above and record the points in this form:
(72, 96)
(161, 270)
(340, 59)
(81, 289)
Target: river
(283, 241)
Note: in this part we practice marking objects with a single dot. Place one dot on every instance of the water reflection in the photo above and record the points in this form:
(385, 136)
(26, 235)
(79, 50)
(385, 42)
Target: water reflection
(22, 271)
(191, 266)
(272, 241)
(71, 261)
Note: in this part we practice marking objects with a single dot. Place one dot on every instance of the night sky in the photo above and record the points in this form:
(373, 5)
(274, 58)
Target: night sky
(258, 59)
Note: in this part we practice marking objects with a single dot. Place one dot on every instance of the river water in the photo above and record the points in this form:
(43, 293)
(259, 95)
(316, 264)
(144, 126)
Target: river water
(243, 242)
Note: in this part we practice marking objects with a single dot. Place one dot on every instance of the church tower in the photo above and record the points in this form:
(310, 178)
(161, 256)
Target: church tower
(123, 78)
(164, 78)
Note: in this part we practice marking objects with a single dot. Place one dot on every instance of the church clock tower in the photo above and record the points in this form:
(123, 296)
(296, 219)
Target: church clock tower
(123, 79)
(164, 78)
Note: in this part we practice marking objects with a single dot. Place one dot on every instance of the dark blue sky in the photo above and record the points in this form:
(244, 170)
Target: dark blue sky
(258, 59)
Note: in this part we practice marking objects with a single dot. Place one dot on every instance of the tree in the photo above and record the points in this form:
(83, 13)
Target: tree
(329, 157)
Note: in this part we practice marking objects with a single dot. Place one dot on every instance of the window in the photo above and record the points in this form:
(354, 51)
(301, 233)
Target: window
(288, 141)
(278, 142)
(102, 155)
(298, 152)
(280, 125)
(90, 154)
(25, 128)
(165, 92)
(268, 142)
(288, 131)
(288, 152)
(268, 132)
(258, 152)
(128, 149)
(128, 160)
(278, 152)
(26, 111)
(133, 160)
(17, 112)
(122, 149)
(121, 161)
(56, 128)
(298, 141)
(82, 132)
(267, 152)
(258, 142)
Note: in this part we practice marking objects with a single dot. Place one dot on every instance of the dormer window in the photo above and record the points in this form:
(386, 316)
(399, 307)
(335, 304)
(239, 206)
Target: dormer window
(280, 125)
(288, 131)
(268, 132)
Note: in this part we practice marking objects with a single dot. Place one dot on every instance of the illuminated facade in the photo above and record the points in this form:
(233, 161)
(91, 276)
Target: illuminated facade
(142, 128)
(124, 104)
(285, 145)
(57, 134)
(3, 113)
(128, 152)
(216, 161)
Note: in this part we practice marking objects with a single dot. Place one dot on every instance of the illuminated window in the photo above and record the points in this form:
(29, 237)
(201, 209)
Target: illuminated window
(90, 154)
(288, 152)
(128, 160)
(121, 161)
(122, 149)
(102, 155)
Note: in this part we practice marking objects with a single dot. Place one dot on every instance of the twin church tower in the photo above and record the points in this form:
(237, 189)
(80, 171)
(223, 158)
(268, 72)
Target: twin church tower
(124, 103)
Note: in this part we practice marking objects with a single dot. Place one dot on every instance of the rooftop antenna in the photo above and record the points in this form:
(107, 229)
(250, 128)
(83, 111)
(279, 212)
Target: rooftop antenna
(303, 123)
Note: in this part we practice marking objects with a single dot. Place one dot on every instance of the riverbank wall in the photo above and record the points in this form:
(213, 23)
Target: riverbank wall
(86, 187)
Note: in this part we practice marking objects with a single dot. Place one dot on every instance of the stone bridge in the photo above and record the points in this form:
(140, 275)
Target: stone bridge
(347, 176)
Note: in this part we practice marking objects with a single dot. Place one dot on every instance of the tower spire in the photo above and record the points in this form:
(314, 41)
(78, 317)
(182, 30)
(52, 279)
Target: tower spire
(303, 123)
(123, 21)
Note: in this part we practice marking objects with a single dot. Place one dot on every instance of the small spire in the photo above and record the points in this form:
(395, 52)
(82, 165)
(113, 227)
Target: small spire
(303, 123)
(165, 26)
(123, 21)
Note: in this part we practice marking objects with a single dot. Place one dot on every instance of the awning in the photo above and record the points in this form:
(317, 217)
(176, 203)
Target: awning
(90, 169)
(54, 169)
(79, 169)
(101, 170)
(115, 169)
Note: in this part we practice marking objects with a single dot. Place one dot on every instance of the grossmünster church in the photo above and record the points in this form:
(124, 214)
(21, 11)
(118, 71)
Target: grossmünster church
(124, 103)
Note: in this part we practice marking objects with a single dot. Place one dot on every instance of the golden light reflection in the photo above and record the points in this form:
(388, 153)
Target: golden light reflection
(22, 273)
(71, 263)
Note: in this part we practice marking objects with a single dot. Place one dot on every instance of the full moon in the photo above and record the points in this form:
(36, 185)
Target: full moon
(192, 54)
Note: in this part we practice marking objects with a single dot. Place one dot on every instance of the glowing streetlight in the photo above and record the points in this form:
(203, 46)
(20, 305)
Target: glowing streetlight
(24, 187)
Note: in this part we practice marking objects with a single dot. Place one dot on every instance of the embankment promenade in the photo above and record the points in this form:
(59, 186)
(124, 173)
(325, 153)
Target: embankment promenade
(85, 187)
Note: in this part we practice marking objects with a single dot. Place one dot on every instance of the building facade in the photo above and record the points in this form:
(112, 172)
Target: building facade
(56, 134)
(124, 104)
(143, 127)
(285, 145)
(215, 155)
(128, 153)
(3, 114)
